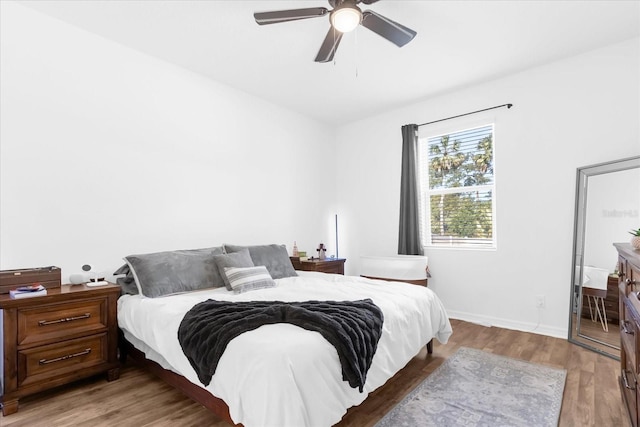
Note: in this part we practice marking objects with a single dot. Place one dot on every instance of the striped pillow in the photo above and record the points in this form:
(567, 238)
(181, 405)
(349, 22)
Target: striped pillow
(244, 279)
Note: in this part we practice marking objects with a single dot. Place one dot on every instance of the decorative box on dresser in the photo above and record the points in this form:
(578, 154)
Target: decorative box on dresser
(629, 288)
(51, 340)
(327, 265)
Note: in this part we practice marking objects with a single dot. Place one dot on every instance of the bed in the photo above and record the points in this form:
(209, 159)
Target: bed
(281, 374)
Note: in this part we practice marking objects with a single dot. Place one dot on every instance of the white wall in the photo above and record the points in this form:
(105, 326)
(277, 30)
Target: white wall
(106, 152)
(579, 111)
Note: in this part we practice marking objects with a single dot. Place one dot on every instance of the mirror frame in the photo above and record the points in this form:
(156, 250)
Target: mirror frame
(582, 180)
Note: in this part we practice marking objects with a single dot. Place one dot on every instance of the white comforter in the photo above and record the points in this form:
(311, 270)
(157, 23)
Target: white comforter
(282, 375)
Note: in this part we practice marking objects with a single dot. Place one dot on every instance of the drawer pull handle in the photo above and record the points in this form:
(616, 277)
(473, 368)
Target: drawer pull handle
(64, 319)
(61, 358)
(625, 380)
(630, 282)
(624, 328)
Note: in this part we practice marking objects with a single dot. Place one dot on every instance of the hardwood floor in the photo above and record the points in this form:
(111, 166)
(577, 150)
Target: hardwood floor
(594, 330)
(591, 396)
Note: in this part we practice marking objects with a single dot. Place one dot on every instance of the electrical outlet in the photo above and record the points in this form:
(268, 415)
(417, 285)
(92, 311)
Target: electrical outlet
(540, 303)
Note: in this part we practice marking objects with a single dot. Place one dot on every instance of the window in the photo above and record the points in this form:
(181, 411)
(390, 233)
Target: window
(458, 188)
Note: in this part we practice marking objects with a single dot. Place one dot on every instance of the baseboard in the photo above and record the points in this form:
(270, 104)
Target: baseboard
(509, 324)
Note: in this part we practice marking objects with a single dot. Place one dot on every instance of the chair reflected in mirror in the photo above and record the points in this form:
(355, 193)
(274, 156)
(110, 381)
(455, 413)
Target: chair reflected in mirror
(594, 288)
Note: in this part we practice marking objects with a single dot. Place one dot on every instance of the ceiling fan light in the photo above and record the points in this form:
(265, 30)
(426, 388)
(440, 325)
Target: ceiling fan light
(346, 19)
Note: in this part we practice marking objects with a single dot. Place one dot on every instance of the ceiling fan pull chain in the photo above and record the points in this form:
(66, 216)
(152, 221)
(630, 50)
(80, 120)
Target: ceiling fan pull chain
(355, 35)
(334, 43)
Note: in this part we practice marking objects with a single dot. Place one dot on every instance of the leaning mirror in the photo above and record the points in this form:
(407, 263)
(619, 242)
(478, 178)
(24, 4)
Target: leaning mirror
(607, 207)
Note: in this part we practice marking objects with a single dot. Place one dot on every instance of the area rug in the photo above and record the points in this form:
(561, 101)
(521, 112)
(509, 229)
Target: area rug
(475, 388)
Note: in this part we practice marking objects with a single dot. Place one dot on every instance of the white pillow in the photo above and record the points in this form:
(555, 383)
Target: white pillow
(245, 279)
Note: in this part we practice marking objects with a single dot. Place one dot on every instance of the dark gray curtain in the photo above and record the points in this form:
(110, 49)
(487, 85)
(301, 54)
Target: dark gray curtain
(409, 231)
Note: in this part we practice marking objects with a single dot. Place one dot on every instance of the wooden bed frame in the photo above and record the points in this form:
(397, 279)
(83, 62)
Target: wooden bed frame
(199, 394)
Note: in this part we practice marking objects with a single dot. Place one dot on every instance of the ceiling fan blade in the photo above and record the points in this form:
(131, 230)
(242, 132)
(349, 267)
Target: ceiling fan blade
(264, 18)
(369, 1)
(329, 46)
(385, 27)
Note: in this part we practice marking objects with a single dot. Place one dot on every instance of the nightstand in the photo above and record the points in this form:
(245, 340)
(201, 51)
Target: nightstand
(327, 265)
(51, 340)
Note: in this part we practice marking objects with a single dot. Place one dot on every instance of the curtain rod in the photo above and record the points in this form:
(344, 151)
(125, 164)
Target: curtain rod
(466, 114)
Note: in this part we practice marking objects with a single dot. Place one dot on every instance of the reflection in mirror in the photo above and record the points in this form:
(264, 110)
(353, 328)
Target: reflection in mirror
(607, 207)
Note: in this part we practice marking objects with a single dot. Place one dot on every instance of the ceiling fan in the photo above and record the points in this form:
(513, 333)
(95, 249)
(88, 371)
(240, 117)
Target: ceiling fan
(344, 17)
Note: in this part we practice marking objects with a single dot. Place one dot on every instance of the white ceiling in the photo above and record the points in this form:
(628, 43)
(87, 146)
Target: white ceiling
(459, 43)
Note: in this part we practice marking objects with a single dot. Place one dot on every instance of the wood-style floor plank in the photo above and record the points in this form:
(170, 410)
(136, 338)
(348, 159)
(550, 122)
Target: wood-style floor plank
(138, 399)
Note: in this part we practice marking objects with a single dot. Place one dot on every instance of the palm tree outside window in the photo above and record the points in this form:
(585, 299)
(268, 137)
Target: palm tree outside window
(458, 188)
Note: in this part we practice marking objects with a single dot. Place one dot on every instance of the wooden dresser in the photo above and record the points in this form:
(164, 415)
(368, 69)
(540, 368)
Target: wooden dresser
(51, 340)
(328, 265)
(629, 311)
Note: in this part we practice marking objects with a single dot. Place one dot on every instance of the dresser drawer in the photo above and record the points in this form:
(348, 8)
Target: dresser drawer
(333, 267)
(328, 265)
(50, 323)
(633, 277)
(628, 336)
(630, 273)
(628, 385)
(43, 363)
(612, 310)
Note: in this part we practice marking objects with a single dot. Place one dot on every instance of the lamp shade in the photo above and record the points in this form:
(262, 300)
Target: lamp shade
(346, 18)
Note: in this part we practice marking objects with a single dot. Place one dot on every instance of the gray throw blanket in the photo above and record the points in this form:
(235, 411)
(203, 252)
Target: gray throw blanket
(352, 327)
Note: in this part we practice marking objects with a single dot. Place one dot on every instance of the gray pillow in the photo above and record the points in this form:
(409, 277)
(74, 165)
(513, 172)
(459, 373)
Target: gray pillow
(126, 286)
(123, 270)
(274, 257)
(128, 279)
(237, 259)
(164, 273)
